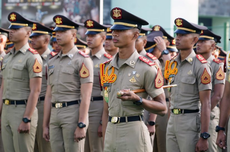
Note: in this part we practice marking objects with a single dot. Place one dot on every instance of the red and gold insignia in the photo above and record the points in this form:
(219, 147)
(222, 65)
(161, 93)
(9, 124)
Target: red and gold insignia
(156, 28)
(108, 30)
(159, 81)
(173, 42)
(12, 17)
(201, 58)
(33, 51)
(220, 74)
(53, 53)
(84, 72)
(83, 54)
(151, 56)
(34, 27)
(202, 32)
(89, 23)
(205, 78)
(58, 20)
(179, 22)
(145, 60)
(217, 60)
(37, 67)
(117, 13)
(107, 55)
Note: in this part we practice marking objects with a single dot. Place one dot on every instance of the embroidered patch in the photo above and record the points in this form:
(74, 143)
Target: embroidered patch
(217, 60)
(84, 72)
(83, 54)
(108, 56)
(159, 81)
(201, 58)
(37, 67)
(205, 78)
(145, 60)
(151, 56)
(33, 51)
(220, 74)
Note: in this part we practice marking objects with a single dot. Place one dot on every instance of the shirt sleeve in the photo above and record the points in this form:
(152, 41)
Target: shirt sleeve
(218, 74)
(204, 76)
(34, 65)
(86, 71)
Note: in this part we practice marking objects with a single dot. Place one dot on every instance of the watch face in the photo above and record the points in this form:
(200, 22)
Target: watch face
(205, 135)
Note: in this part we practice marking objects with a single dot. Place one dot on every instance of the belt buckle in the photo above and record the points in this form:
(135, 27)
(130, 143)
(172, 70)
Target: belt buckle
(176, 111)
(58, 105)
(115, 120)
(7, 102)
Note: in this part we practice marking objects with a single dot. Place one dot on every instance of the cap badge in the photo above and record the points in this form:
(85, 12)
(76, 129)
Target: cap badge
(117, 13)
(34, 27)
(12, 17)
(58, 20)
(179, 22)
(89, 23)
(173, 42)
(109, 30)
(157, 28)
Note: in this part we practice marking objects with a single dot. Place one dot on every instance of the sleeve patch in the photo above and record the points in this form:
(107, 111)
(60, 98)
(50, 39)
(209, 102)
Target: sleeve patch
(151, 56)
(107, 55)
(201, 58)
(205, 78)
(159, 81)
(83, 54)
(84, 72)
(217, 60)
(145, 60)
(33, 51)
(220, 74)
(37, 67)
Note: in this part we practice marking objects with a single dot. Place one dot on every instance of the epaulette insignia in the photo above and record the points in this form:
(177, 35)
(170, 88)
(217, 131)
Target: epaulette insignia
(107, 61)
(217, 60)
(33, 51)
(145, 60)
(107, 55)
(205, 78)
(53, 54)
(201, 58)
(151, 56)
(83, 54)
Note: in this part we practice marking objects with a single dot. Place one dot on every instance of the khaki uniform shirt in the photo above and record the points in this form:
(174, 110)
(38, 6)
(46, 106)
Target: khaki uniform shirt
(66, 73)
(100, 57)
(45, 59)
(193, 76)
(133, 74)
(218, 76)
(1, 58)
(18, 68)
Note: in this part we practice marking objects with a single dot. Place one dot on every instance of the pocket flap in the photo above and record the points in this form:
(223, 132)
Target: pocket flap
(188, 80)
(18, 67)
(68, 71)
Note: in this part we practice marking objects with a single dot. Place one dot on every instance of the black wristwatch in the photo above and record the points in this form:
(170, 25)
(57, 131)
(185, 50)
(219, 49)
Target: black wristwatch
(164, 52)
(218, 128)
(26, 120)
(151, 123)
(205, 135)
(81, 125)
(138, 103)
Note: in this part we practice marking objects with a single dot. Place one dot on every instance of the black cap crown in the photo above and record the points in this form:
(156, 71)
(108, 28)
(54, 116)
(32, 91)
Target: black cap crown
(159, 28)
(94, 27)
(80, 43)
(208, 35)
(63, 23)
(39, 29)
(151, 44)
(18, 21)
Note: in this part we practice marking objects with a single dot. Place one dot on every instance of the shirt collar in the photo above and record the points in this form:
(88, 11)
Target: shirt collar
(70, 54)
(99, 54)
(46, 53)
(143, 52)
(210, 59)
(189, 58)
(23, 49)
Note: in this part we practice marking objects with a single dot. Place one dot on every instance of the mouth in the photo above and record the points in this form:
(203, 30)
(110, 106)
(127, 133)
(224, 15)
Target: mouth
(177, 43)
(115, 40)
(89, 43)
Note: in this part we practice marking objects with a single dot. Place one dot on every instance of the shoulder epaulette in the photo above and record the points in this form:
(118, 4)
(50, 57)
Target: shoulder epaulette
(33, 51)
(107, 61)
(201, 58)
(83, 54)
(217, 60)
(145, 60)
(107, 55)
(174, 57)
(53, 53)
(151, 56)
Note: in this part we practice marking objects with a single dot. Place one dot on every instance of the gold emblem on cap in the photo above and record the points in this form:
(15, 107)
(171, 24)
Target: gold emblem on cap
(157, 28)
(202, 32)
(34, 27)
(89, 23)
(58, 20)
(173, 42)
(116, 13)
(13, 17)
(108, 29)
(179, 22)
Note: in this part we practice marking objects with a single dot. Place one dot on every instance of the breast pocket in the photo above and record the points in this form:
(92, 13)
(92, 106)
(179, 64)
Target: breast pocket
(17, 71)
(67, 75)
(188, 85)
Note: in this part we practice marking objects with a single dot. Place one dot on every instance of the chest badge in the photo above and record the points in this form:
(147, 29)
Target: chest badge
(132, 80)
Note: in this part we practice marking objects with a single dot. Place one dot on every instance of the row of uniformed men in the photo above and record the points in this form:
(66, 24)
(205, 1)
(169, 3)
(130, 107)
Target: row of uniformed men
(70, 75)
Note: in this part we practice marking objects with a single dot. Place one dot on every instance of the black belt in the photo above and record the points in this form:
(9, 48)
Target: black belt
(96, 98)
(14, 102)
(116, 120)
(65, 104)
(41, 98)
(181, 111)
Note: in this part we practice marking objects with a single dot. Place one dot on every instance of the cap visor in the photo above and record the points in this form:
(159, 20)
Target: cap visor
(182, 32)
(91, 33)
(120, 27)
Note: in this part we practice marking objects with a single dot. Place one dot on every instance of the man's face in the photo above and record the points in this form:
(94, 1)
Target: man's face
(172, 53)
(56, 47)
(139, 45)
(184, 41)
(109, 45)
(94, 40)
(38, 42)
(203, 46)
(64, 37)
(17, 35)
(122, 38)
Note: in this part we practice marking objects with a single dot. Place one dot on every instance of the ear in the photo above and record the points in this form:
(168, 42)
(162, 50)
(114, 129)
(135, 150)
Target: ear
(136, 35)
(103, 37)
(167, 43)
(195, 39)
(144, 42)
(1, 40)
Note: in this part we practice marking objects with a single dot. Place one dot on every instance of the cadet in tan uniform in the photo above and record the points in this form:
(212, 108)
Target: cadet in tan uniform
(95, 37)
(53, 42)
(21, 85)
(205, 45)
(69, 86)
(3, 39)
(172, 48)
(193, 78)
(127, 72)
(82, 45)
(109, 45)
(40, 39)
